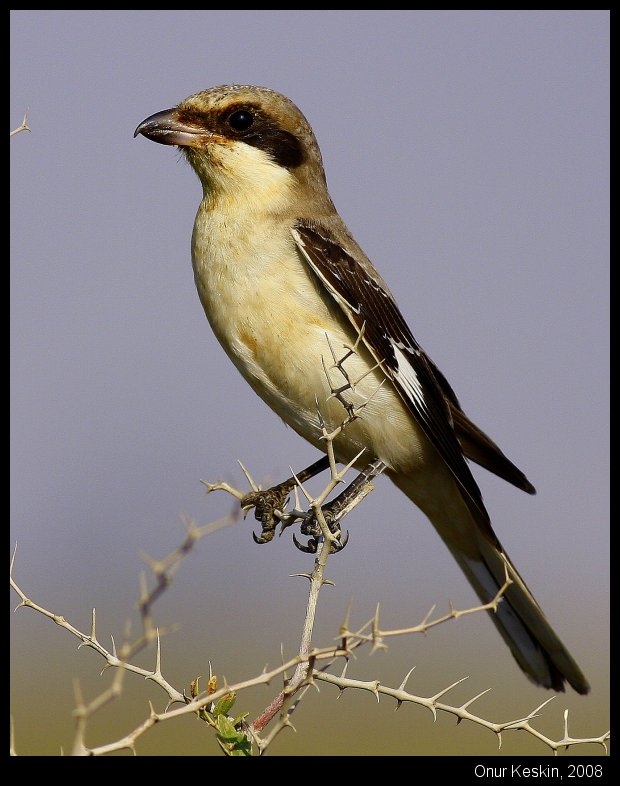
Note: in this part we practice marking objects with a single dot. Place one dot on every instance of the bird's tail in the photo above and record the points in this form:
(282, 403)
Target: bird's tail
(467, 532)
(520, 620)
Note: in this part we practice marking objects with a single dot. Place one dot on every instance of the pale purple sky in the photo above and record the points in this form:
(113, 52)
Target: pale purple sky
(469, 153)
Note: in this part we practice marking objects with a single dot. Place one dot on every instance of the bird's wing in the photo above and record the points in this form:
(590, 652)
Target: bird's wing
(477, 445)
(480, 448)
(371, 309)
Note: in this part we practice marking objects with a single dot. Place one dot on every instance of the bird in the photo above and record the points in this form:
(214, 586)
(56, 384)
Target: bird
(287, 290)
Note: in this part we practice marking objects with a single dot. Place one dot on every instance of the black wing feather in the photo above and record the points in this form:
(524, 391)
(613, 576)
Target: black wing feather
(365, 302)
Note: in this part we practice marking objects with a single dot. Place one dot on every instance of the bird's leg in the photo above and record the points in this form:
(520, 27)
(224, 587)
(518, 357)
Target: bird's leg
(337, 509)
(269, 503)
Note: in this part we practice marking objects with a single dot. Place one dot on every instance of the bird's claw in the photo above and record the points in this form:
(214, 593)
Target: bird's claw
(269, 505)
(265, 504)
(265, 537)
(309, 548)
(312, 545)
(311, 527)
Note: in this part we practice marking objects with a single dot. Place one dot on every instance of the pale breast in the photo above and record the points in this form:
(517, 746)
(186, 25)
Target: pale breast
(290, 341)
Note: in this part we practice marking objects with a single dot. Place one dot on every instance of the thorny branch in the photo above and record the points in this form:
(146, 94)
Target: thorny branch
(23, 126)
(308, 669)
(310, 666)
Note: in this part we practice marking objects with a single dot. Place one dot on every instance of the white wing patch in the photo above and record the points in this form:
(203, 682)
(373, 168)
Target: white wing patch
(408, 379)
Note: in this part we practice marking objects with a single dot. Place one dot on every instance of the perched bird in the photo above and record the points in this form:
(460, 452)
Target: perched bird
(287, 290)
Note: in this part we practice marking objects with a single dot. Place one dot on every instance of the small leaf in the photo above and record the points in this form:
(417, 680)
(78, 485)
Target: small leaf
(224, 704)
(193, 687)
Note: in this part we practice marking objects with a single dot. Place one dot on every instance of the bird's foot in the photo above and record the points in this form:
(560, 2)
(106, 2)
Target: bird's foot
(268, 507)
(270, 504)
(311, 528)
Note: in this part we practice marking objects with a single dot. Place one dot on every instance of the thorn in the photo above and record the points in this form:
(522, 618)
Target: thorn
(344, 626)
(158, 654)
(404, 682)
(318, 412)
(23, 126)
(449, 688)
(301, 487)
(333, 354)
(375, 623)
(326, 372)
(471, 701)
(248, 477)
(534, 713)
(352, 463)
(144, 589)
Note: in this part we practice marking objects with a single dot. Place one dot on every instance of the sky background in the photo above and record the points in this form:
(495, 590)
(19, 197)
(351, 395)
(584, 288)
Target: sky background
(469, 154)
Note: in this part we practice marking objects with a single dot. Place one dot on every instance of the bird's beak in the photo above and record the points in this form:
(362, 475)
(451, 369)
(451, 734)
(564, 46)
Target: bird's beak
(167, 129)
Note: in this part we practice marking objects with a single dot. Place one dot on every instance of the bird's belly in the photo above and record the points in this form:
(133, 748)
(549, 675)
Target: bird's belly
(292, 344)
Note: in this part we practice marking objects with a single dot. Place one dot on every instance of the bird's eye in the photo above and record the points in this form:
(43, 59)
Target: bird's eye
(241, 120)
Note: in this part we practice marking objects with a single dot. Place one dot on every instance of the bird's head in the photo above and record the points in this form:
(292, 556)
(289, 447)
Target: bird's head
(240, 135)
